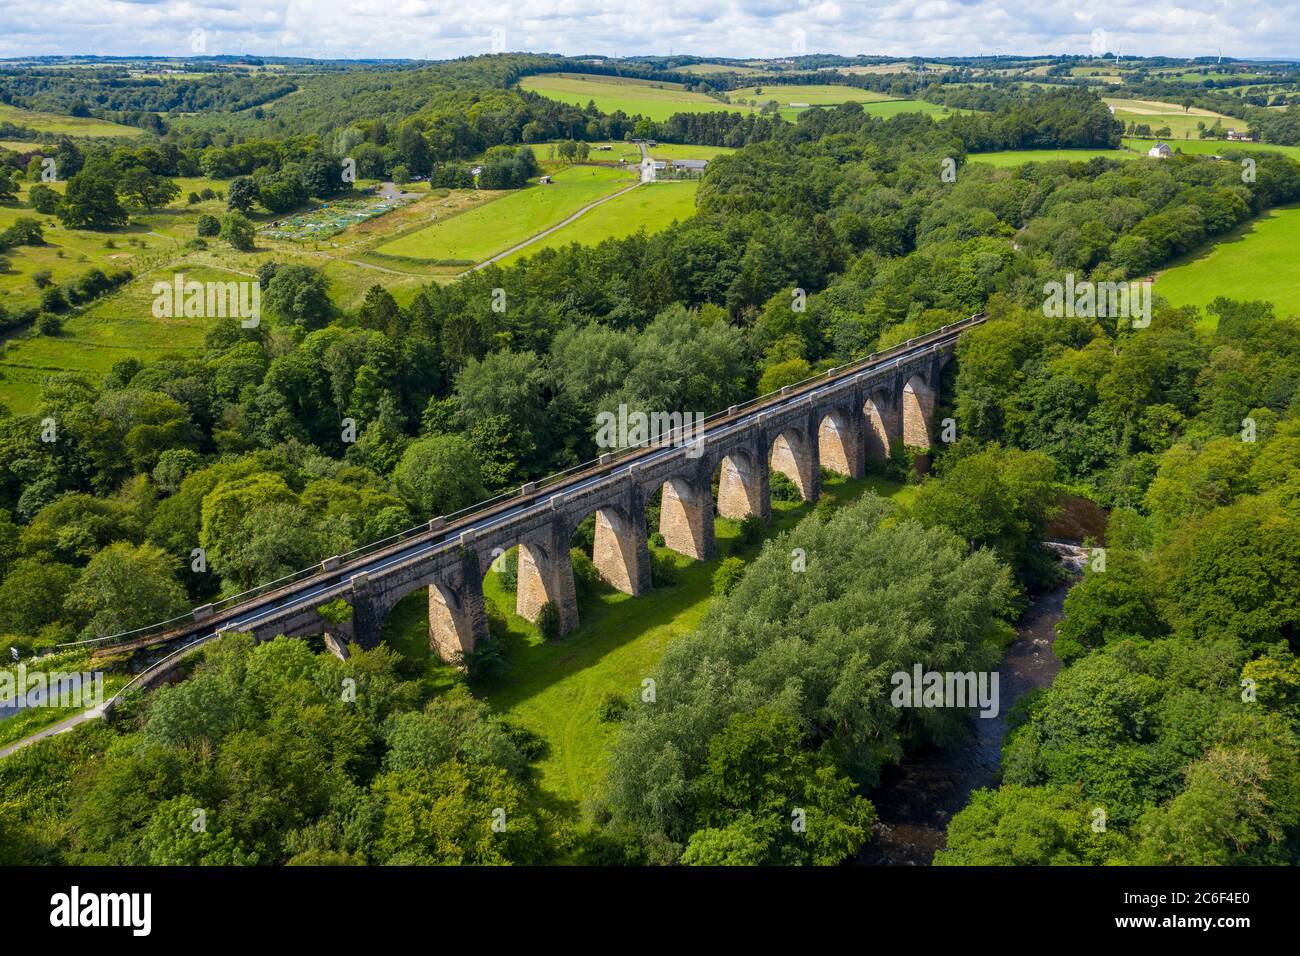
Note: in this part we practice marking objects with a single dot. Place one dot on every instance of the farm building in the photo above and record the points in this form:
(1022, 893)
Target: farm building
(1160, 151)
(1236, 137)
(689, 167)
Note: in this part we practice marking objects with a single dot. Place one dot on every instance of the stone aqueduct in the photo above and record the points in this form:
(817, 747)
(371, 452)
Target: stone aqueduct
(840, 425)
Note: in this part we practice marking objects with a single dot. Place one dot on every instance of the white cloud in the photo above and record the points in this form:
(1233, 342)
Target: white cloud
(442, 28)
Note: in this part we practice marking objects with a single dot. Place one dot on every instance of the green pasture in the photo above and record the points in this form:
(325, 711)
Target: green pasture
(1255, 261)
(1212, 147)
(653, 99)
(118, 326)
(652, 206)
(495, 226)
(63, 125)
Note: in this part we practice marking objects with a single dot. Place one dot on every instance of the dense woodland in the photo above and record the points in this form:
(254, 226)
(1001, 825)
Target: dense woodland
(781, 697)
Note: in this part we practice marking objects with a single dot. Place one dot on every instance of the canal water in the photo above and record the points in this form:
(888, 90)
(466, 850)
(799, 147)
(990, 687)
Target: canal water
(918, 797)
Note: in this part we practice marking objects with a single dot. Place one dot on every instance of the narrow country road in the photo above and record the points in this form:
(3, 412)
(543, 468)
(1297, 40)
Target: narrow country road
(62, 726)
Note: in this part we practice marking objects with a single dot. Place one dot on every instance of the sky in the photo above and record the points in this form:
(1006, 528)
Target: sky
(440, 29)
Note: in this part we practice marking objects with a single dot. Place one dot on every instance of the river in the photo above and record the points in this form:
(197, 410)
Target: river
(917, 798)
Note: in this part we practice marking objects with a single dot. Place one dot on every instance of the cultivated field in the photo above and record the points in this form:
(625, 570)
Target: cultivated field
(1157, 115)
(824, 94)
(1255, 261)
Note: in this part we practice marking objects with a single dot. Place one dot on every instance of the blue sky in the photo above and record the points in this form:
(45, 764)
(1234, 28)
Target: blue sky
(437, 29)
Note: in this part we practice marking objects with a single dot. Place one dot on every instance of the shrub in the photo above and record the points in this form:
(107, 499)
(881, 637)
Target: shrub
(751, 531)
(728, 575)
(782, 488)
(548, 621)
(487, 661)
(53, 300)
(612, 709)
(49, 324)
(209, 225)
(586, 578)
(663, 571)
(509, 570)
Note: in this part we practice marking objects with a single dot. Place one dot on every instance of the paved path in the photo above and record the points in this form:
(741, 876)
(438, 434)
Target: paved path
(546, 232)
(62, 727)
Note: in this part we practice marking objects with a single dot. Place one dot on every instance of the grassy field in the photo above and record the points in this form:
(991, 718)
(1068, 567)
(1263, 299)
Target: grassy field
(1212, 147)
(63, 125)
(555, 689)
(894, 107)
(824, 94)
(1157, 114)
(116, 327)
(631, 153)
(495, 226)
(653, 99)
(653, 206)
(1255, 261)
(1018, 157)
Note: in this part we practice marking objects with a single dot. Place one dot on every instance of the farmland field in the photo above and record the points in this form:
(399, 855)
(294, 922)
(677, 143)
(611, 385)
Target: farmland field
(1212, 147)
(119, 326)
(1157, 114)
(476, 235)
(69, 125)
(652, 206)
(1255, 261)
(814, 95)
(656, 100)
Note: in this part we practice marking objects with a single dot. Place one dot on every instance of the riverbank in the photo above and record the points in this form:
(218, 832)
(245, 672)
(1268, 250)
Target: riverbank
(918, 797)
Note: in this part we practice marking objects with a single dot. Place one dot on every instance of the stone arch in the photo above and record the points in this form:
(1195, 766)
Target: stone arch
(742, 486)
(876, 430)
(918, 400)
(686, 517)
(546, 576)
(457, 619)
(794, 456)
(839, 442)
(619, 549)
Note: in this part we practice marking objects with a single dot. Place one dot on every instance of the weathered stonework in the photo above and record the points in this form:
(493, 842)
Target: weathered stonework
(840, 442)
(794, 456)
(876, 432)
(546, 575)
(686, 518)
(620, 553)
(743, 488)
(918, 409)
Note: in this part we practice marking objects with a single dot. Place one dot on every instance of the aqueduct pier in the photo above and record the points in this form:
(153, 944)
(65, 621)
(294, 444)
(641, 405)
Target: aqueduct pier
(839, 421)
